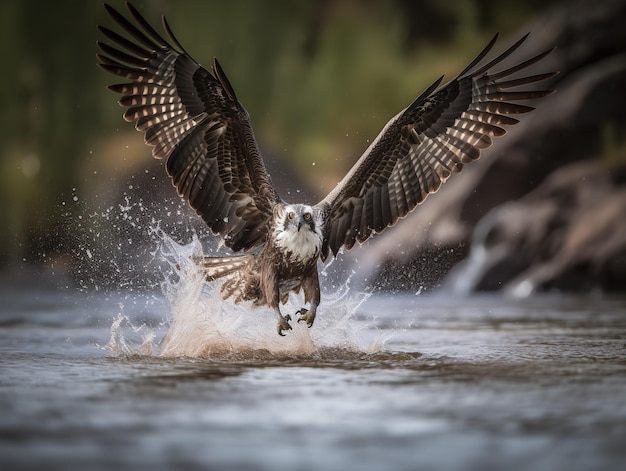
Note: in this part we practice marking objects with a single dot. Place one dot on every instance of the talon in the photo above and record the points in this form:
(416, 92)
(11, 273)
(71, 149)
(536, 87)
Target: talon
(283, 324)
(302, 313)
(306, 316)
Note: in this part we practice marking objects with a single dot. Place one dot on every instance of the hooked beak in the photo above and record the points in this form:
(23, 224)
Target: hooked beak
(302, 223)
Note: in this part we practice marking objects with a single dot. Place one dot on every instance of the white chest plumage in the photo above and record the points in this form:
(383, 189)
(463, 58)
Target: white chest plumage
(298, 245)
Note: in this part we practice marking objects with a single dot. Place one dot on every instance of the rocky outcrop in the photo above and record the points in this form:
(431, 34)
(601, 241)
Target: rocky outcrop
(584, 120)
(568, 234)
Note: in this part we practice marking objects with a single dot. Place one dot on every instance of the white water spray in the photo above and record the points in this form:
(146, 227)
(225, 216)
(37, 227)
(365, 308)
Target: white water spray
(202, 324)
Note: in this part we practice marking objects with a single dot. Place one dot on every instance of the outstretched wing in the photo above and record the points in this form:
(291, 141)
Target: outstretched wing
(442, 130)
(193, 119)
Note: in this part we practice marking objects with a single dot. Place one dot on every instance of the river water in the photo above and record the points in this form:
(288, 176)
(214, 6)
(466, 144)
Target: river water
(178, 379)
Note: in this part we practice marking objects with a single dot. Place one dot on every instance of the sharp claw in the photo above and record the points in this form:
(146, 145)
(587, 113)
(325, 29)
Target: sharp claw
(283, 324)
(306, 316)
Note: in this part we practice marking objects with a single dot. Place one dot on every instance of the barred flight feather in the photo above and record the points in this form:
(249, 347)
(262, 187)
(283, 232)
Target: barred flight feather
(192, 119)
(444, 129)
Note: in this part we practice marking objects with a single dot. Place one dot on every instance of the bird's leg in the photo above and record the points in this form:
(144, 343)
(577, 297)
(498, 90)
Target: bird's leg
(311, 285)
(307, 315)
(283, 323)
(269, 286)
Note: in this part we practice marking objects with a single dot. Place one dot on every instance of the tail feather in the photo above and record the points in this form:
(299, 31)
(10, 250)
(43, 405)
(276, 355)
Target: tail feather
(217, 267)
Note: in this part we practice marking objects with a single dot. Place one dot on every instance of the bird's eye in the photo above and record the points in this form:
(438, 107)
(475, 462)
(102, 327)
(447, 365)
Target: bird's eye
(307, 216)
(291, 215)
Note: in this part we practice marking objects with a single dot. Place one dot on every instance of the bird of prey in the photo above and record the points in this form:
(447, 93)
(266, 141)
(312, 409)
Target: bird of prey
(193, 119)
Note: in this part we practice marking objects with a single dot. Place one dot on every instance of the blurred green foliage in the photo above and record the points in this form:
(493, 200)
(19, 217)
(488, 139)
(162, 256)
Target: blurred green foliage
(319, 78)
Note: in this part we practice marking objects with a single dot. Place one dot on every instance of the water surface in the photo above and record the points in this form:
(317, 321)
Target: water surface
(383, 382)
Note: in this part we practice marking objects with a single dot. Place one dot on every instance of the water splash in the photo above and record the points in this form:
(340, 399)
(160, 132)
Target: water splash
(114, 245)
(124, 248)
(128, 339)
(202, 324)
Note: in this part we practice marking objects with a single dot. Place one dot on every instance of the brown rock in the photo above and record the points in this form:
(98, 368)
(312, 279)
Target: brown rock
(568, 234)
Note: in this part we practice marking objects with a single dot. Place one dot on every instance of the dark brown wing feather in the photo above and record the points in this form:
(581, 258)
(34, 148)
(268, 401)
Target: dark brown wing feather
(193, 119)
(442, 130)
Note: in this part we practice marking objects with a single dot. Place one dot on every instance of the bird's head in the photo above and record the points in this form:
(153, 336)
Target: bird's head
(298, 230)
(299, 217)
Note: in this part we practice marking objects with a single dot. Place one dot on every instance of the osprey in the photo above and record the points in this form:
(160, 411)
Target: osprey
(195, 122)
